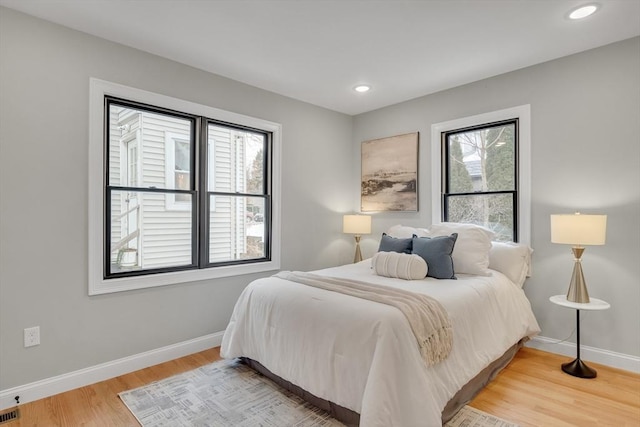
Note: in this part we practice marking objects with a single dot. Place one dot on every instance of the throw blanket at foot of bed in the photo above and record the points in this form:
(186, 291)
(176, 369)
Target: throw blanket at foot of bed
(426, 316)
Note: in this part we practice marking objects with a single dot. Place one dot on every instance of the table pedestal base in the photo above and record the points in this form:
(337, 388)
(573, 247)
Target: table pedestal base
(577, 368)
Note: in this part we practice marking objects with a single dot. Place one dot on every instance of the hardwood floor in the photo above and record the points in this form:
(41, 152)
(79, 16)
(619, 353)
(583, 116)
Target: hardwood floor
(531, 391)
(98, 404)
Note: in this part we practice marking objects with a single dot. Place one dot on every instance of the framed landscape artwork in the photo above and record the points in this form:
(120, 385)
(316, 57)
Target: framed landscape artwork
(390, 174)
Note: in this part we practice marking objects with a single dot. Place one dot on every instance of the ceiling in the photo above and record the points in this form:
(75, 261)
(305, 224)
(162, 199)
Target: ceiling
(317, 50)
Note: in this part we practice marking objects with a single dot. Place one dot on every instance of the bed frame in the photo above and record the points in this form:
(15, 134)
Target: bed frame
(352, 419)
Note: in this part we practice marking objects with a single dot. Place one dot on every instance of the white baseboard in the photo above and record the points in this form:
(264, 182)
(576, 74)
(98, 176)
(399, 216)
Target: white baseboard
(72, 380)
(83, 377)
(588, 354)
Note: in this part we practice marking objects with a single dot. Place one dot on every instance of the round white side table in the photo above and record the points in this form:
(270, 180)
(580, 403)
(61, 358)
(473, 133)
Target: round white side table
(578, 368)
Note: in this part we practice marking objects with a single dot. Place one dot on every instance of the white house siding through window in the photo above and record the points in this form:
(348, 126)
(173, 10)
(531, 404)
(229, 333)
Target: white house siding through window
(154, 230)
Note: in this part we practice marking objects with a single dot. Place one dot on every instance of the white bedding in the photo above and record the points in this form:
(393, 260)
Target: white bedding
(362, 355)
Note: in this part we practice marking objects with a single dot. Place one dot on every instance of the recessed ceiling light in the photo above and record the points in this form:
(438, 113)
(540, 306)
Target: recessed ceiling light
(583, 11)
(362, 88)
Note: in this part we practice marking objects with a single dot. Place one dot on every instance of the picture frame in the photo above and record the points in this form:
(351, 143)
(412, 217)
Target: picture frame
(389, 174)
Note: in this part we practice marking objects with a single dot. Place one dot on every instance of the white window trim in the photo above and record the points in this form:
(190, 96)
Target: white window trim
(523, 114)
(98, 89)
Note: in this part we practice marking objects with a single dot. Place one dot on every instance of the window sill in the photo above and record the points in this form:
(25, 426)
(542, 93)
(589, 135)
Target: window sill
(99, 286)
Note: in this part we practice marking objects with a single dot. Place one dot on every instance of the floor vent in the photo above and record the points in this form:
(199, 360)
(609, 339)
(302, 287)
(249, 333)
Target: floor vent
(10, 415)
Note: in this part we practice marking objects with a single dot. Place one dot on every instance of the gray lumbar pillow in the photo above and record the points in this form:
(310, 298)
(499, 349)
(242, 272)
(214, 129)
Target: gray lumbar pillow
(391, 244)
(436, 251)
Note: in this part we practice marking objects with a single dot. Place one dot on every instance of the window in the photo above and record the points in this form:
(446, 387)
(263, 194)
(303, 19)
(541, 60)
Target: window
(480, 184)
(145, 233)
(482, 172)
(189, 192)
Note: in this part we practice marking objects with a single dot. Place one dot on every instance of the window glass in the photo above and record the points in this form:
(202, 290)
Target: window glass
(144, 235)
(237, 229)
(182, 169)
(150, 156)
(238, 160)
(237, 194)
(138, 148)
(494, 211)
(480, 183)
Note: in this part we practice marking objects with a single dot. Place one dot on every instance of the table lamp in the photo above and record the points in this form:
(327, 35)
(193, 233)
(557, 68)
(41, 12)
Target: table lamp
(357, 225)
(578, 230)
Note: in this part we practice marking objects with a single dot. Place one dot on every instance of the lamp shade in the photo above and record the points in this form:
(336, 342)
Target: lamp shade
(356, 224)
(578, 229)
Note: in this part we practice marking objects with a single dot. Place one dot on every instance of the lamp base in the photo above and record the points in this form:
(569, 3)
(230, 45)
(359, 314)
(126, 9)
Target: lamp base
(578, 287)
(577, 368)
(358, 256)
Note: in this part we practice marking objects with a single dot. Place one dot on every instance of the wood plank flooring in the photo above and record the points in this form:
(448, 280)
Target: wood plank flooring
(531, 391)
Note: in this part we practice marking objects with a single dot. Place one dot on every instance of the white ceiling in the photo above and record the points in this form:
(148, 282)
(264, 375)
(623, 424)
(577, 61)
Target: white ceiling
(318, 50)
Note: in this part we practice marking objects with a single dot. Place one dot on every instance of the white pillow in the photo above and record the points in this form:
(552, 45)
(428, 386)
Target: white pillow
(401, 266)
(406, 232)
(471, 252)
(511, 259)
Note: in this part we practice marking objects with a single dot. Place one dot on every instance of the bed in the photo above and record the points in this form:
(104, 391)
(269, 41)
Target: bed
(361, 358)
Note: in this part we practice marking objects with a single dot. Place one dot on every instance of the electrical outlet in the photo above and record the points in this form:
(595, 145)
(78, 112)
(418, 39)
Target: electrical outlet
(32, 336)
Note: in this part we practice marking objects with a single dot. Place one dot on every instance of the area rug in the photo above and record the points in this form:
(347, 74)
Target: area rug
(230, 394)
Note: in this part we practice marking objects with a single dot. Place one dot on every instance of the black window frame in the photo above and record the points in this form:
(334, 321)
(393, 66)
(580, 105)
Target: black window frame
(198, 190)
(446, 193)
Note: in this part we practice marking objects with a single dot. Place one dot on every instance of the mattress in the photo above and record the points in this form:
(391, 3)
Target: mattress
(362, 355)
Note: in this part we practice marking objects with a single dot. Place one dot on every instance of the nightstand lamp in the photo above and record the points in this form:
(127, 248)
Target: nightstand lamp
(578, 230)
(356, 225)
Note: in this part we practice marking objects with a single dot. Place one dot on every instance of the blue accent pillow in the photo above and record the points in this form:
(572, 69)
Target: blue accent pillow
(391, 244)
(436, 251)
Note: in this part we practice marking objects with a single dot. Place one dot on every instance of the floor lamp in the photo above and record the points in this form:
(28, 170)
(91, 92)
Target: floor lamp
(578, 230)
(356, 225)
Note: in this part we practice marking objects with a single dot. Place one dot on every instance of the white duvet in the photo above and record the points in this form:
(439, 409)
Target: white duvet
(362, 355)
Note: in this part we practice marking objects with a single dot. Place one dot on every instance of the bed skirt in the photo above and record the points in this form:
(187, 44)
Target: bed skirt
(352, 419)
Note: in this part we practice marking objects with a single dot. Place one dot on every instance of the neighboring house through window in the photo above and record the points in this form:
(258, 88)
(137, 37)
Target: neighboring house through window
(127, 229)
(178, 167)
(481, 172)
(190, 192)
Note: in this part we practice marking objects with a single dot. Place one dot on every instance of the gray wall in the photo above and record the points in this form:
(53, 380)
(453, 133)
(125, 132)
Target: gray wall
(44, 98)
(585, 127)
